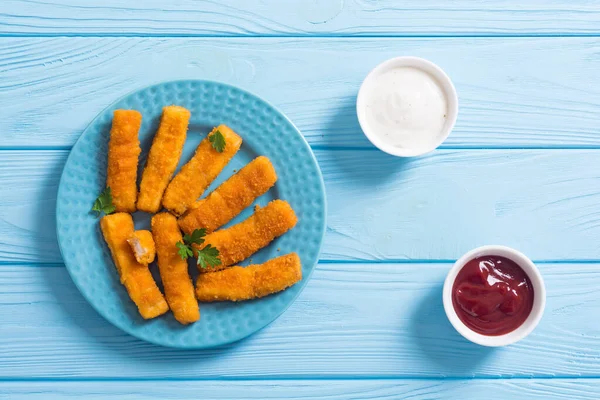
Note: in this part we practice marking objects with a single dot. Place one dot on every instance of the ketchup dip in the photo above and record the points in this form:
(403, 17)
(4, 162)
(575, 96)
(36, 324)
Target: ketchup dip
(492, 295)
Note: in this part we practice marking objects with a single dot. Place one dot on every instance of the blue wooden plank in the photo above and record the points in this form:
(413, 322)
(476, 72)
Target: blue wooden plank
(544, 202)
(523, 389)
(352, 321)
(513, 92)
(300, 17)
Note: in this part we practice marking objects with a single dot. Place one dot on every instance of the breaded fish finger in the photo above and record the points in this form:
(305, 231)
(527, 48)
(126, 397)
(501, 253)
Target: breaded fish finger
(142, 245)
(136, 277)
(251, 282)
(231, 197)
(240, 241)
(163, 157)
(123, 153)
(179, 289)
(195, 176)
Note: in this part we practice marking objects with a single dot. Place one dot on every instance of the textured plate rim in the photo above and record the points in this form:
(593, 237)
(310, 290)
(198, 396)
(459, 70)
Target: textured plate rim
(303, 282)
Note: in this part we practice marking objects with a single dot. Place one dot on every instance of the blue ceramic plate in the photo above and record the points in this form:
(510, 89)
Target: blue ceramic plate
(265, 131)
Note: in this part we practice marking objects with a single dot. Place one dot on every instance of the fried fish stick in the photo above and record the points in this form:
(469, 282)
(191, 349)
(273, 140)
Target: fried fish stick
(136, 277)
(251, 282)
(123, 152)
(240, 241)
(179, 289)
(231, 197)
(142, 245)
(200, 171)
(163, 157)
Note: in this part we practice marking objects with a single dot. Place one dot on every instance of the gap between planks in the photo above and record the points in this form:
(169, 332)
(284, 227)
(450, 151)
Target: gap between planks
(291, 378)
(302, 36)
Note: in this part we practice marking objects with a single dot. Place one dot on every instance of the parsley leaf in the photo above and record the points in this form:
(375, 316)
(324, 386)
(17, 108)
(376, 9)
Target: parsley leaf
(208, 257)
(197, 237)
(104, 203)
(184, 250)
(218, 141)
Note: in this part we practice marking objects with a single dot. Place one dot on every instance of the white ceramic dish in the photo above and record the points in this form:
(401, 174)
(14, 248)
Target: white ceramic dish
(427, 143)
(539, 297)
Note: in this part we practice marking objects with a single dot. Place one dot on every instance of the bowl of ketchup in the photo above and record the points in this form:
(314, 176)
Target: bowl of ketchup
(494, 296)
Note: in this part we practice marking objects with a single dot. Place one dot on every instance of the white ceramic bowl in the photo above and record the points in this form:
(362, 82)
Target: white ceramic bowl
(539, 296)
(445, 84)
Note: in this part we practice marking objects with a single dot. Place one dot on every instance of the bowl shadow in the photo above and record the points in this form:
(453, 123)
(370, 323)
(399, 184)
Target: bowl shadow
(347, 152)
(437, 339)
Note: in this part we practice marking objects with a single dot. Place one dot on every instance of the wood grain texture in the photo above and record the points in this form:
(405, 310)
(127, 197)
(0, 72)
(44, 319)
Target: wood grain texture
(361, 316)
(514, 92)
(522, 389)
(543, 202)
(352, 321)
(299, 17)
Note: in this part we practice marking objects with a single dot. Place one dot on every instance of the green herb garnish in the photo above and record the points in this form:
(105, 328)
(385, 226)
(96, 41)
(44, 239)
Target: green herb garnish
(104, 203)
(197, 237)
(207, 257)
(218, 141)
(184, 250)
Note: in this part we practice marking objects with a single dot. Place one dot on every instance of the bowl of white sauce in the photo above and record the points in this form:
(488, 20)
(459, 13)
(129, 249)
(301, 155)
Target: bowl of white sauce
(407, 106)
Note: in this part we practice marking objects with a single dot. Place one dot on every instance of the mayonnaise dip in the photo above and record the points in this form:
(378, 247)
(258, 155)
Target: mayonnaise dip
(407, 106)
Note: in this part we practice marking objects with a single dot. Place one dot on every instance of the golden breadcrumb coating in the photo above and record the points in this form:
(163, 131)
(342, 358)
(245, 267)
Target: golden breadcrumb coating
(142, 245)
(163, 157)
(123, 153)
(136, 277)
(195, 176)
(240, 241)
(179, 289)
(231, 197)
(251, 282)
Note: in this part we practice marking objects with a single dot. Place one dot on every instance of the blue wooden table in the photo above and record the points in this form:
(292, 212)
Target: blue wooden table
(522, 168)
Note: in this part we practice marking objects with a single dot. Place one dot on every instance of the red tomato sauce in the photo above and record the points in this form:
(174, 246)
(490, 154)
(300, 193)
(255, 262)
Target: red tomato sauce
(492, 295)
